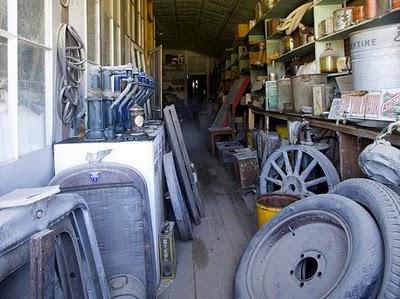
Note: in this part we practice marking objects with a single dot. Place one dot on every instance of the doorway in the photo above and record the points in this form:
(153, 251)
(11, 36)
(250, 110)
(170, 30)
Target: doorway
(196, 93)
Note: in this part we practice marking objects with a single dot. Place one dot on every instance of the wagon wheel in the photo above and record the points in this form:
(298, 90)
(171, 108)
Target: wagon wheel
(299, 170)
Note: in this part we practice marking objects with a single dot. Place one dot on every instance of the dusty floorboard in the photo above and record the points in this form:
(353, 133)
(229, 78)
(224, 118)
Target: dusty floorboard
(207, 265)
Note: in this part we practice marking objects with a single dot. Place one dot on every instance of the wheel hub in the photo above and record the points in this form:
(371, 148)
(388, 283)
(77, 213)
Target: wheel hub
(292, 185)
(310, 267)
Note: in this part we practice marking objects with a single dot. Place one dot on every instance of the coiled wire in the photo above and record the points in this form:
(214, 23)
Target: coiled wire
(71, 62)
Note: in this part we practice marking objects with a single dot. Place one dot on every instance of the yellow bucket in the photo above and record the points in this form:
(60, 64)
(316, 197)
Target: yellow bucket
(269, 205)
(282, 131)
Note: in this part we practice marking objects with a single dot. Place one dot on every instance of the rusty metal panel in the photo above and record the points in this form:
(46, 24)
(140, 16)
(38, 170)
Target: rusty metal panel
(42, 261)
(246, 169)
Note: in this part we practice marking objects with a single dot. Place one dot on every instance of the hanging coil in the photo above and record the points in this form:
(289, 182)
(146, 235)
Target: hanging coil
(71, 62)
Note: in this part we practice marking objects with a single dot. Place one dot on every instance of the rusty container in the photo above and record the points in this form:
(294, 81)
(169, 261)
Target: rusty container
(371, 8)
(395, 4)
(246, 169)
(269, 205)
(358, 13)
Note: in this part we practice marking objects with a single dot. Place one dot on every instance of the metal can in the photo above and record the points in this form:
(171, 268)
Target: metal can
(375, 58)
(371, 7)
(358, 13)
(342, 18)
(288, 44)
(395, 4)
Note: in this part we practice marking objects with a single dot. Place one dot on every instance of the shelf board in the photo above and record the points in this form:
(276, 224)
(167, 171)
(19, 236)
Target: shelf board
(330, 2)
(276, 35)
(298, 52)
(339, 74)
(390, 17)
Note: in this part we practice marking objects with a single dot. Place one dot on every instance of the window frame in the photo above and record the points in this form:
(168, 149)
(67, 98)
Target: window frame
(11, 34)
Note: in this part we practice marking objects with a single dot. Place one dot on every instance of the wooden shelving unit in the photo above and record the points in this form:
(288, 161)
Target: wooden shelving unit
(299, 51)
(384, 19)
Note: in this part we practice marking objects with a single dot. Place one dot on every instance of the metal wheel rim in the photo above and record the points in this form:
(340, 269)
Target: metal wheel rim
(278, 259)
(293, 174)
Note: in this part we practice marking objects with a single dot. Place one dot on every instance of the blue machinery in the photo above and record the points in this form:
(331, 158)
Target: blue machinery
(115, 108)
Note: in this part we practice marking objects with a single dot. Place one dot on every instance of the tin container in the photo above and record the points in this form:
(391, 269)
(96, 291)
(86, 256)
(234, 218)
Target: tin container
(288, 44)
(358, 13)
(246, 169)
(272, 25)
(325, 27)
(271, 95)
(395, 4)
(371, 8)
(285, 94)
(302, 89)
(342, 18)
(375, 58)
(269, 205)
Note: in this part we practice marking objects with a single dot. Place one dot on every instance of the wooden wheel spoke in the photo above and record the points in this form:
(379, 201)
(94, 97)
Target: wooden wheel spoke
(298, 162)
(287, 163)
(316, 181)
(278, 169)
(274, 181)
(308, 170)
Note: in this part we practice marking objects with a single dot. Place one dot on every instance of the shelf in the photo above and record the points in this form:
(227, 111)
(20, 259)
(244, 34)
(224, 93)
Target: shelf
(391, 17)
(320, 122)
(330, 2)
(298, 52)
(338, 74)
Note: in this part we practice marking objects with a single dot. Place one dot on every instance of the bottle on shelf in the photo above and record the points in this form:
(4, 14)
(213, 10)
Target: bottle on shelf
(327, 60)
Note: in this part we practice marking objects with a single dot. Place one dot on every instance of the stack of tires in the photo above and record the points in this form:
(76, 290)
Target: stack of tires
(345, 244)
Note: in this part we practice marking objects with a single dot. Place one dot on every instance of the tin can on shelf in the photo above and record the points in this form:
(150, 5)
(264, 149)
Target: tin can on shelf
(371, 7)
(342, 18)
(288, 44)
(358, 13)
(395, 4)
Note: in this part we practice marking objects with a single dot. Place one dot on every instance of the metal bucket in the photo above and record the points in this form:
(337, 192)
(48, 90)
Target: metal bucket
(285, 94)
(302, 89)
(375, 58)
(269, 205)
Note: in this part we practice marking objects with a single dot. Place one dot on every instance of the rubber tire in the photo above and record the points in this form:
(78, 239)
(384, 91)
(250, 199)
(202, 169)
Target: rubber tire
(384, 205)
(361, 280)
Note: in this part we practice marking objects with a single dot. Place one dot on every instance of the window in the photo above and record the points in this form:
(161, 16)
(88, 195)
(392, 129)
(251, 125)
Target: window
(25, 90)
(93, 31)
(6, 150)
(122, 31)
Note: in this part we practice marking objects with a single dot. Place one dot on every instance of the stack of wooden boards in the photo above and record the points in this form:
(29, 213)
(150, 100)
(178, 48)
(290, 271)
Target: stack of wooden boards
(183, 175)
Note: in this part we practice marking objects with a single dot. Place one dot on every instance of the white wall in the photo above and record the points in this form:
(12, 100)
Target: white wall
(37, 168)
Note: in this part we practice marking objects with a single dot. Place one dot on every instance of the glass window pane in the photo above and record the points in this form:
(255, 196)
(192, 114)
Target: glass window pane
(117, 44)
(92, 30)
(127, 50)
(117, 11)
(106, 50)
(31, 20)
(133, 22)
(31, 102)
(5, 126)
(3, 14)
(107, 6)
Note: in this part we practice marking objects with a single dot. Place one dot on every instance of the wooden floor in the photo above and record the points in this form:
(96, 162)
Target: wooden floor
(207, 265)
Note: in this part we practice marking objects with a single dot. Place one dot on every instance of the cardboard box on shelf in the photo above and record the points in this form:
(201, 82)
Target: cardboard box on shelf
(257, 57)
(242, 30)
(375, 105)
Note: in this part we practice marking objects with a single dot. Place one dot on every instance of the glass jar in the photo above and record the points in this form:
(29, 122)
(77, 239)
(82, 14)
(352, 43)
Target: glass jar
(327, 60)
